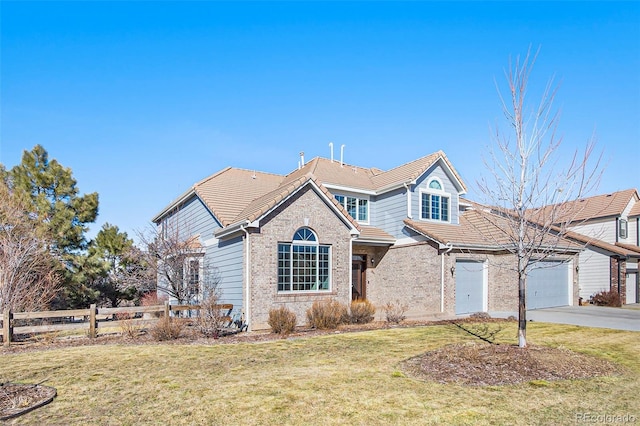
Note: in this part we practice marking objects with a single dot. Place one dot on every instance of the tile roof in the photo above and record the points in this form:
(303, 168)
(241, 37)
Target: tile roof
(629, 247)
(480, 229)
(264, 204)
(411, 171)
(233, 195)
(371, 233)
(635, 210)
(329, 172)
(230, 191)
(370, 179)
(599, 206)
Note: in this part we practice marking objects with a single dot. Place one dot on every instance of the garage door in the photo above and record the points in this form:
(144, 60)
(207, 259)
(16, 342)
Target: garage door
(469, 287)
(632, 287)
(548, 285)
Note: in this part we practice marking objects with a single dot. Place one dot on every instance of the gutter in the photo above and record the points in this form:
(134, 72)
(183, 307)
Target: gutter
(234, 228)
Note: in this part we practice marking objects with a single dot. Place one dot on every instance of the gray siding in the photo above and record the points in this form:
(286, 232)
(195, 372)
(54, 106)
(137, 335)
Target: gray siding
(389, 210)
(448, 187)
(227, 257)
(193, 218)
(594, 273)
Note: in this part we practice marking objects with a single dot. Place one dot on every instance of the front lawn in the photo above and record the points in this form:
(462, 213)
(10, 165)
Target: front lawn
(351, 378)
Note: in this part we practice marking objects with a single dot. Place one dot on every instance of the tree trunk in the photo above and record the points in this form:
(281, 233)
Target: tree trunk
(522, 311)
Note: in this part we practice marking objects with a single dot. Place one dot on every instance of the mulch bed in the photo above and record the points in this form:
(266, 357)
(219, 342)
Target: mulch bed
(483, 364)
(18, 398)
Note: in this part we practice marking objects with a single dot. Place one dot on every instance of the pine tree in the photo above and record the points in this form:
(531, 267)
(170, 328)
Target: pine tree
(50, 191)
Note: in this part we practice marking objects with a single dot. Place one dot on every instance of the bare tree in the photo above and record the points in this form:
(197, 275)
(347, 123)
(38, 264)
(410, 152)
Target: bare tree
(531, 189)
(29, 274)
(177, 259)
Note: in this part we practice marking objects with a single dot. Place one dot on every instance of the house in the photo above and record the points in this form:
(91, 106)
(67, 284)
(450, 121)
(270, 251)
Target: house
(330, 230)
(608, 225)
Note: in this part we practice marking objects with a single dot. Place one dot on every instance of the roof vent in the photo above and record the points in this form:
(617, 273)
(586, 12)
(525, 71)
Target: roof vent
(331, 147)
(342, 154)
(302, 158)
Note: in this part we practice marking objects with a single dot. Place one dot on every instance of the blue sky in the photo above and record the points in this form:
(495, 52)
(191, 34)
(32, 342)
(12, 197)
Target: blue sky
(143, 99)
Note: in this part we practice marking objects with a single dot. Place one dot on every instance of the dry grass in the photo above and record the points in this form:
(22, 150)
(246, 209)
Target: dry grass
(353, 378)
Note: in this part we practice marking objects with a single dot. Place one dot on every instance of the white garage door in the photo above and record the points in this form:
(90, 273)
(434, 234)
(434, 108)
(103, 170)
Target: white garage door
(632, 287)
(469, 287)
(548, 285)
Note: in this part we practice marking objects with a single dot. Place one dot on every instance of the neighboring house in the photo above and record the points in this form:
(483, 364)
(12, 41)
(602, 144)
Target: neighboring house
(329, 230)
(608, 225)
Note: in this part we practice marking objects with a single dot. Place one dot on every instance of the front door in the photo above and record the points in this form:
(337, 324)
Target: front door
(358, 277)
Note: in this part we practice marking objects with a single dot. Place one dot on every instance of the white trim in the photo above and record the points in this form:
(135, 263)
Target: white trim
(485, 286)
(408, 188)
(358, 198)
(247, 307)
(349, 189)
(441, 194)
(182, 198)
(235, 227)
(570, 282)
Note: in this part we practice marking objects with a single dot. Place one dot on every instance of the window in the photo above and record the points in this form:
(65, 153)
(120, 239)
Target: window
(358, 208)
(303, 264)
(434, 202)
(622, 231)
(193, 277)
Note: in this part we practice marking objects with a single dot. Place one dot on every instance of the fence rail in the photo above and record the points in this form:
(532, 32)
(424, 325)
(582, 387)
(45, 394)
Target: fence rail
(90, 318)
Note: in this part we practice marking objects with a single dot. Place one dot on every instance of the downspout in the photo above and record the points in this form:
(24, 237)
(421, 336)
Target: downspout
(409, 215)
(247, 306)
(449, 248)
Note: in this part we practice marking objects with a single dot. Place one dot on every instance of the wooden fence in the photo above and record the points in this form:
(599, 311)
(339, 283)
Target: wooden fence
(90, 318)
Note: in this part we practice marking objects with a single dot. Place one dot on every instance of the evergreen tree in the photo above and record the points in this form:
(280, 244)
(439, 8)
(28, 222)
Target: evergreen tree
(61, 214)
(116, 264)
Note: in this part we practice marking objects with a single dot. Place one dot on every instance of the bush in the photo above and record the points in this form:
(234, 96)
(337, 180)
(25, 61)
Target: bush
(395, 312)
(362, 312)
(607, 298)
(328, 314)
(282, 320)
(128, 326)
(167, 328)
(211, 319)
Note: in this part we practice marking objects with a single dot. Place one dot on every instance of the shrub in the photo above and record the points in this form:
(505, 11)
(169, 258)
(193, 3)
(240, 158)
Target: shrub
(167, 328)
(607, 298)
(394, 312)
(480, 315)
(282, 320)
(362, 312)
(328, 314)
(128, 327)
(211, 319)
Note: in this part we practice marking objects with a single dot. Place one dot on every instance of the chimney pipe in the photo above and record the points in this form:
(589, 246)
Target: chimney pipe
(302, 158)
(342, 154)
(331, 146)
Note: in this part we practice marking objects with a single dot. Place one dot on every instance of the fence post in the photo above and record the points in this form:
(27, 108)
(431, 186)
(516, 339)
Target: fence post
(7, 327)
(166, 309)
(92, 321)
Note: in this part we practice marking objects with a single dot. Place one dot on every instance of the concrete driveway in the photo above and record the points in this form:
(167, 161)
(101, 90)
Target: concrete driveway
(589, 316)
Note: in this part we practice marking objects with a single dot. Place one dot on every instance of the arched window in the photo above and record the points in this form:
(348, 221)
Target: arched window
(434, 202)
(303, 264)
